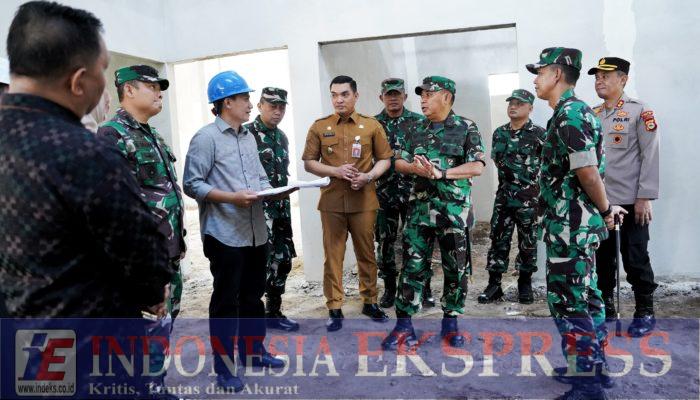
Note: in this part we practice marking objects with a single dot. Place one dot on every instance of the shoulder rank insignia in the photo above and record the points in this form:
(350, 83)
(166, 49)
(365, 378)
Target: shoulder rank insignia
(649, 120)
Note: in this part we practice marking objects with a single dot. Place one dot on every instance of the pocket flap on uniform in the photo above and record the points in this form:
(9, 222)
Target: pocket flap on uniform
(451, 149)
(329, 141)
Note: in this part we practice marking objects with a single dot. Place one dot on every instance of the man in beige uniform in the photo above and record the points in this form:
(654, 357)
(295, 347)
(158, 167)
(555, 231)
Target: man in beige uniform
(353, 152)
(631, 141)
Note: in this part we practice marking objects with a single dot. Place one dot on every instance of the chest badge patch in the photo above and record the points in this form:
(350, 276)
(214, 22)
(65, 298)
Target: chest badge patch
(617, 139)
(618, 127)
(622, 114)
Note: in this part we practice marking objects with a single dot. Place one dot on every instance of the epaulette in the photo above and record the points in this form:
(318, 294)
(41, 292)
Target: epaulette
(327, 116)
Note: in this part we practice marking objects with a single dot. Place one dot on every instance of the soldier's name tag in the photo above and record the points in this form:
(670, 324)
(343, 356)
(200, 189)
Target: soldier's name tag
(356, 148)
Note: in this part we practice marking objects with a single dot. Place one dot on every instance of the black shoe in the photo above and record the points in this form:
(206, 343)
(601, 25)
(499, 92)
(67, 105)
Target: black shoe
(264, 359)
(644, 321)
(279, 321)
(229, 382)
(402, 334)
(389, 295)
(642, 326)
(602, 377)
(450, 332)
(585, 392)
(373, 311)
(335, 320)
(493, 291)
(525, 295)
(610, 312)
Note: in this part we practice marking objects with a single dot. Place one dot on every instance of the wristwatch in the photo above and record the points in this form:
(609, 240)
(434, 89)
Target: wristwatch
(444, 175)
(370, 178)
(607, 212)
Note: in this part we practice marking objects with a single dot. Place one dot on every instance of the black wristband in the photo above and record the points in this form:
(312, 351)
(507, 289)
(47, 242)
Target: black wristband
(444, 175)
(606, 212)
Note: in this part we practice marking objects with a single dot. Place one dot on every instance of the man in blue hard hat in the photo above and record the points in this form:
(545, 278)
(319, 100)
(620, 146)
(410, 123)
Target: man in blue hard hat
(223, 173)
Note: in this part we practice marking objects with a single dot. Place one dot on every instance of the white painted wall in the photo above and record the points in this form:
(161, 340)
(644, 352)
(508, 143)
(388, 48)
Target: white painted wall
(657, 36)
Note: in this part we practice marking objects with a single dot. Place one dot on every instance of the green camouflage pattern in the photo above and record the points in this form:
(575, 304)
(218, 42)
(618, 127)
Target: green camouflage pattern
(569, 216)
(435, 84)
(143, 73)
(517, 157)
(153, 165)
(274, 95)
(439, 209)
(576, 303)
(393, 190)
(572, 228)
(390, 84)
(503, 221)
(273, 150)
(522, 95)
(557, 55)
(437, 203)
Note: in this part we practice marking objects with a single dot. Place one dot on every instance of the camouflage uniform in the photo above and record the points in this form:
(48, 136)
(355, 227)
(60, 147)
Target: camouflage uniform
(393, 190)
(439, 209)
(517, 156)
(571, 226)
(273, 149)
(153, 165)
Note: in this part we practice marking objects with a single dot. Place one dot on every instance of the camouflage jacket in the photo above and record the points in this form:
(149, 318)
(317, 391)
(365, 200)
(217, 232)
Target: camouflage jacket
(273, 149)
(394, 188)
(569, 217)
(153, 164)
(449, 144)
(517, 156)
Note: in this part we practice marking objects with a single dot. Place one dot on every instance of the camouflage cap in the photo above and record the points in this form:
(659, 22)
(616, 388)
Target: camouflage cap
(611, 64)
(557, 55)
(390, 84)
(436, 83)
(143, 73)
(522, 95)
(274, 95)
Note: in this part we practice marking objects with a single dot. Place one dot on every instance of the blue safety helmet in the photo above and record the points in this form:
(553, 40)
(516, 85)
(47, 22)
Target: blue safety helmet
(226, 84)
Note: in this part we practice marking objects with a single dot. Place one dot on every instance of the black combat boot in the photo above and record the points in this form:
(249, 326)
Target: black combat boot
(403, 333)
(525, 295)
(428, 299)
(493, 291)
(274, 318)
(602, 376)
(450, 331)
(389, 295)
(644, 320)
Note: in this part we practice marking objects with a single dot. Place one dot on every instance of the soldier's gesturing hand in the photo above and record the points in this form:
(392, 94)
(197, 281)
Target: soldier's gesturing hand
(346, 171)
(243, 198)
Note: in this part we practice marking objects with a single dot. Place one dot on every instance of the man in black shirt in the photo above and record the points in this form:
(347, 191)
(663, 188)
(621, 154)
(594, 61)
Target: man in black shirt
(76, 239)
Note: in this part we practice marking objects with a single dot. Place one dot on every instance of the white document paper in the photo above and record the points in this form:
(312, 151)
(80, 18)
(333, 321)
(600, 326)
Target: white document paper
(322, 182)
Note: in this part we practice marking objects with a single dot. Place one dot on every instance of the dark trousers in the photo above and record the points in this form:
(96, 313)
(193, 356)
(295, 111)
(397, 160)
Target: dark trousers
(635, 258)
(239, 284)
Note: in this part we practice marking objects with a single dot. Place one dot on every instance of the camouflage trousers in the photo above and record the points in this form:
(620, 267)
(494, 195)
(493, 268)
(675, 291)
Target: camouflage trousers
(385, 234)
(417, 252)
(162, 328)
(576, 304)
(503, 222)
(280, 254)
